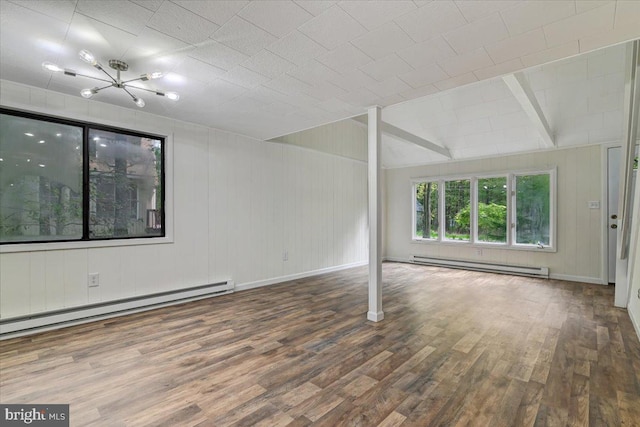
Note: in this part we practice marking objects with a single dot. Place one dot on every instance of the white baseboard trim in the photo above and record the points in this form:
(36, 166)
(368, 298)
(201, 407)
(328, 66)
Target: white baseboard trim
(276, 280)
(572, 278)
(635, 322)
(375, 317)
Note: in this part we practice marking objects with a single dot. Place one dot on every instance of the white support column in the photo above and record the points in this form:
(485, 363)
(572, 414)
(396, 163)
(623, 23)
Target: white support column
(375, 313)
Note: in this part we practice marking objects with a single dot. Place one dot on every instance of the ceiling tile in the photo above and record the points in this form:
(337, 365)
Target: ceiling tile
(268, 64)
(529, 15)
(217, 54)
(323, 90)
(424, 76)
(345, 58)
(124, 15)
(464, 63)
(244, 77)
(243, 36)
(313, 72)
(58, 9)
(386, 67)
(515, 47)
(297, 48)
(276, 17)
(361, 97)
(477, 34)
(432, 20)
(287, 85)
(151, 44)
(374, 13)
(152, 5)
(427, 53)
(383, 41)
(627, 14)
(388, 87)
(589, 23)
(103, 40)
(315, 7)
(194, 69)
(461, 80)
(219, 11)
(583, 6)
(500, 69)
(420, 92)
(553, 54)
(474, 10)
(182, 24)
(351, 80)
(220, 91)
(332, 28)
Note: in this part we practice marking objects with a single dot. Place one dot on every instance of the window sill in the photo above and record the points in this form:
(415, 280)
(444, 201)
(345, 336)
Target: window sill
(56, 246)
(501, 246)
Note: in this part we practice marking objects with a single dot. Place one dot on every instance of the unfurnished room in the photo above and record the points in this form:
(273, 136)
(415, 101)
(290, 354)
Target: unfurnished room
(319, 213)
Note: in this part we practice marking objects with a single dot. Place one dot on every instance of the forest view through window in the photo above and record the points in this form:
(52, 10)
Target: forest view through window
(476, 209)
(66, 181)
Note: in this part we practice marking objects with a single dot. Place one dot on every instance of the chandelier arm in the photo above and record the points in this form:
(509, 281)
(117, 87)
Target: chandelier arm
(140, 88)
(132, 80)
(98, 89)
(95, 78)
(99, 67)
(130, 94)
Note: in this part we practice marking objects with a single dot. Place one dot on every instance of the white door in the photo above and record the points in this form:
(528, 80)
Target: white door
(613, 187)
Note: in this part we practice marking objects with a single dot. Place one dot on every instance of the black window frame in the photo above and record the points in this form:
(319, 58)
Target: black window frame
(86, 210)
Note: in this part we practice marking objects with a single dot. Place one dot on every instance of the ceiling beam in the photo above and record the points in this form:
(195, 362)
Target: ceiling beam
(402, 134)
(521, 90)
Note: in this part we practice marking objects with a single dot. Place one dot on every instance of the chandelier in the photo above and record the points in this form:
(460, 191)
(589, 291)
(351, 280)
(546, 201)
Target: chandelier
(116, 81)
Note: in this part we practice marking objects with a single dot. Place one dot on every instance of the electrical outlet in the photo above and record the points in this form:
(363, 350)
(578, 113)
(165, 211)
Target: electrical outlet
(93, 280)
(285, 256)
(594, 204)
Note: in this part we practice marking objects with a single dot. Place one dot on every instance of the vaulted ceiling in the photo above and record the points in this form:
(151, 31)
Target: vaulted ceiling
(270, 68)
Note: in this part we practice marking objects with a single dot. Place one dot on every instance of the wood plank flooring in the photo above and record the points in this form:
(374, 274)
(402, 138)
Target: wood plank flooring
(456, 348)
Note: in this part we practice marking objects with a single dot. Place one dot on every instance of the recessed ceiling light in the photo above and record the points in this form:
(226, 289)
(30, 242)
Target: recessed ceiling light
(1, 159)
(58, 134)
(41, 165)
(28, 160)
(96, 138)
(28, 133)
(103, 145)
(77, 147)
(41, 141)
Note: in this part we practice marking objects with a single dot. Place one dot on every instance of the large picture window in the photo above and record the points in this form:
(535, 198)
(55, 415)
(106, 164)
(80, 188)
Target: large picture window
(512, 210)
(66, 181)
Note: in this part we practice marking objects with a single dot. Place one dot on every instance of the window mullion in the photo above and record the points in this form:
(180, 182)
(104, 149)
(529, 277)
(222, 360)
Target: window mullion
(86, 202)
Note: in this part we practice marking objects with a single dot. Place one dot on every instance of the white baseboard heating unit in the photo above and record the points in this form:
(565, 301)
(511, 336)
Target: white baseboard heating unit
(24, 325)
(519, 270)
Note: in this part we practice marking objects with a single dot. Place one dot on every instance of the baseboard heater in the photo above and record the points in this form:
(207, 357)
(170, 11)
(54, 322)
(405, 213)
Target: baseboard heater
(519, 270)
(24, 325)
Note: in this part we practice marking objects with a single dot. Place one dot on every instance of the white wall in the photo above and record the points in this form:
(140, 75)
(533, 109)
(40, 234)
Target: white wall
(238, 204)
(579, 229)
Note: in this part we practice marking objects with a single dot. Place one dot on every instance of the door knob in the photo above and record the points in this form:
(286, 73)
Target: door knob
(614, 225)
(614, 216)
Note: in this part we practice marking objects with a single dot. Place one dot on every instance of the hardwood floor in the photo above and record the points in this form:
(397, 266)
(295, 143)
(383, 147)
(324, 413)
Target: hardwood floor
(456, 348)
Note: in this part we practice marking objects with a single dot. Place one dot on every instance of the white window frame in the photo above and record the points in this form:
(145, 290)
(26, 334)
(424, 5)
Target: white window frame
(510, 243)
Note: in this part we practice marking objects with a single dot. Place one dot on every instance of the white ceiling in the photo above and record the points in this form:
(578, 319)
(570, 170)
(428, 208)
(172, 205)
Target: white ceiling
(270, 68)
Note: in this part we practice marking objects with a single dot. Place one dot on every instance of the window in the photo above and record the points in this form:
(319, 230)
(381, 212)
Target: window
(456, 200)
(478, 210)
(66, 181)
(491, 212)
(532, 201)
(426, 212)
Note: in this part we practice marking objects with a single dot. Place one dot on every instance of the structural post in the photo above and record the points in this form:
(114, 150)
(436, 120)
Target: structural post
(375, 313)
